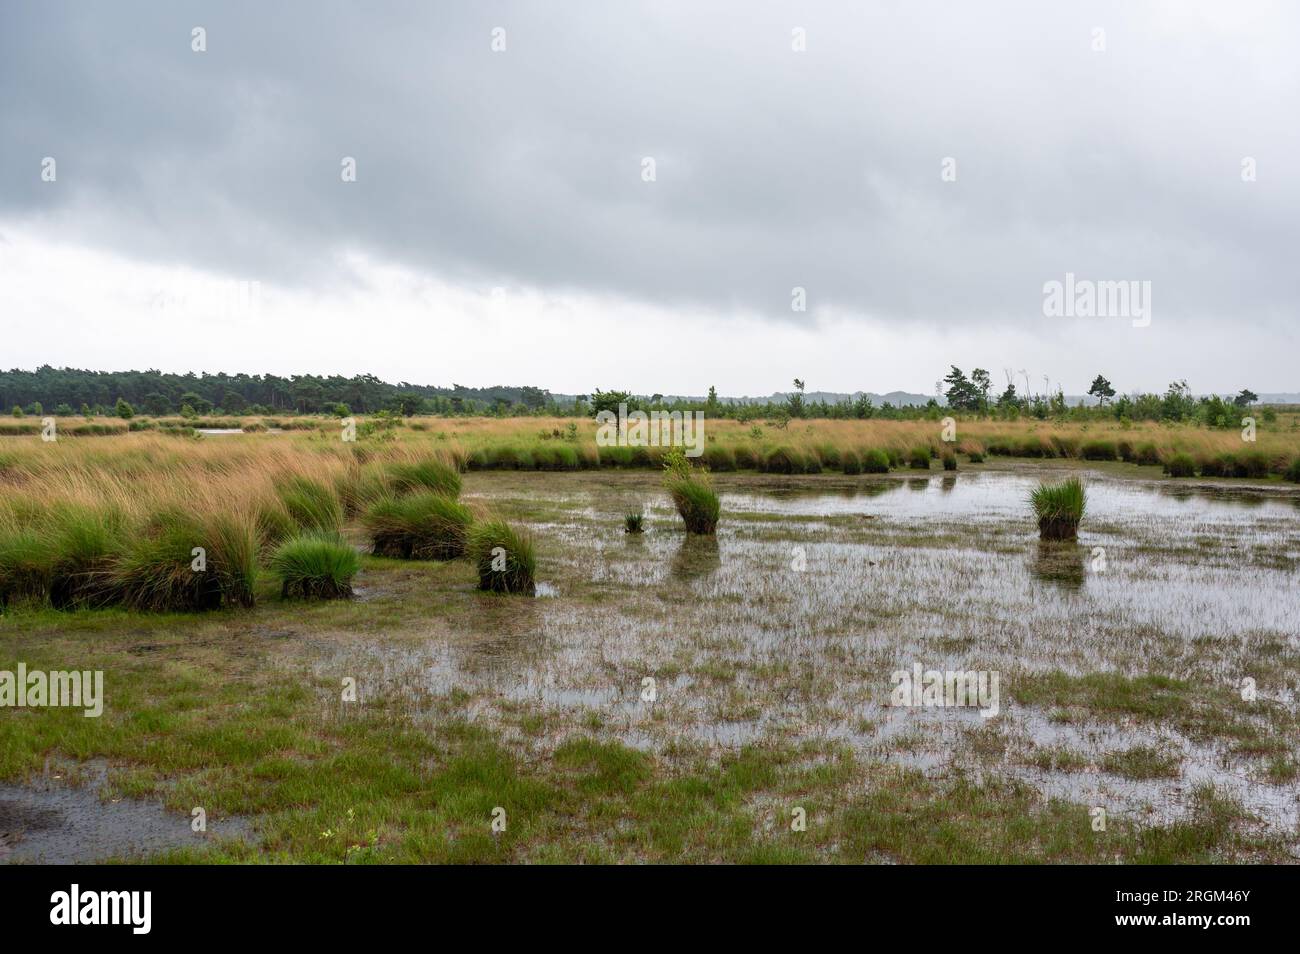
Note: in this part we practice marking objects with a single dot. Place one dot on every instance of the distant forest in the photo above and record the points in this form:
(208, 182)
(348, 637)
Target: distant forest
(74, 391)
(70, 391)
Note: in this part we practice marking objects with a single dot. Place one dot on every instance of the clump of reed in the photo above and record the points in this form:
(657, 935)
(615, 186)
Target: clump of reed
(310, 504)
(181, 561)
(634, 522)
(1146, 453)
(949, 461)
(692, 493)
(315, 566)
(420, 526)
(919, 458)
(1059, 508)
(504, 557)
(975, 457)
(1180, 465)
(1099, 450)
(1293, 470)
(851, 463)
(876, 461)
(431, 473)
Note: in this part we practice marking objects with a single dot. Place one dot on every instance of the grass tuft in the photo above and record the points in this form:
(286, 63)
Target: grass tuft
(315, 566)
(504, 558)
(1059, 508)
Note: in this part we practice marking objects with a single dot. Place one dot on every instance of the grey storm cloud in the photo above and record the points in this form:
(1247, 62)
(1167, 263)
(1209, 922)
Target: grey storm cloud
(775, 168)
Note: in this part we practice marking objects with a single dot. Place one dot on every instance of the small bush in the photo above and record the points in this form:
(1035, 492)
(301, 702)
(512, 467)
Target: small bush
(1180, 465)
(851, 463)
(1059, 508)
(504, 558)
(1099, 450)
(315, 566)
(875, 461)
(919, 458)
(422, 526)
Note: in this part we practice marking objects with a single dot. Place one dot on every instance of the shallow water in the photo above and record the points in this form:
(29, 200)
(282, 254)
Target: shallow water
(788, 626)
(53, 822)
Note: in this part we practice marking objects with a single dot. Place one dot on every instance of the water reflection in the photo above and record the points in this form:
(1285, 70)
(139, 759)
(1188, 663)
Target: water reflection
(697, 557)
(1059, 561)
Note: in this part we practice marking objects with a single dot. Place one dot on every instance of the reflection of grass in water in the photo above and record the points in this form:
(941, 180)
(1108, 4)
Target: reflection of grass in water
(1059, 562)
(696, 557)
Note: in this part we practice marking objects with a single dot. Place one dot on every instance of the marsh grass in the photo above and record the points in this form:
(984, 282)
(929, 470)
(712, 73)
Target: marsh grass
(311, 505)
(634, 522)
(430, 473)
(504, 557)
(692, 494)
(421, 526)
(1059, 508)
(1180, 465)
(919, 458)
(315, 566)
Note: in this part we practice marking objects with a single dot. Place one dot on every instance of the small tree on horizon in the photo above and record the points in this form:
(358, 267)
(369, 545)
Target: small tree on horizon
(1101, 390)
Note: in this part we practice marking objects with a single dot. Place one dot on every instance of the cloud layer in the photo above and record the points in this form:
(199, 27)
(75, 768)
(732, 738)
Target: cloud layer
(523, 170)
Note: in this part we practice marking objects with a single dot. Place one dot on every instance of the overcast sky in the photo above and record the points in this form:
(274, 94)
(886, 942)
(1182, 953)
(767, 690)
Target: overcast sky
(503, 227)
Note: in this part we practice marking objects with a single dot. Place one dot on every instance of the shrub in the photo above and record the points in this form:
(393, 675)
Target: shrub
(1059, 508)
(428, 474)
(850, 463)
(875, 461)
(1180, 465)
(1099, 450)
(919, 458)
(504, 558)
(422, 526)
(315, 566)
